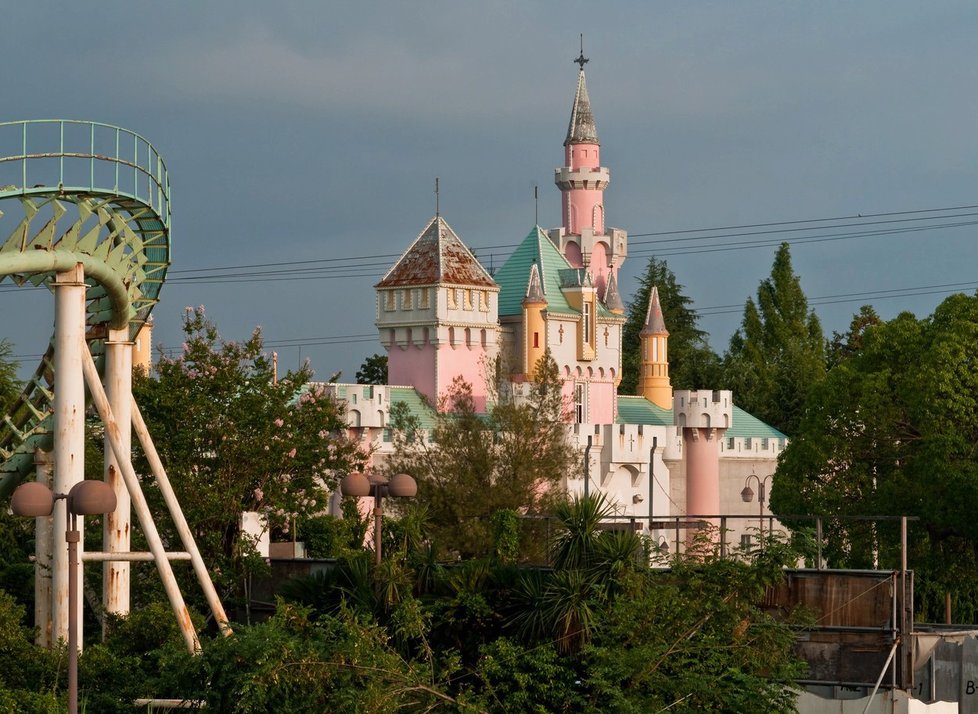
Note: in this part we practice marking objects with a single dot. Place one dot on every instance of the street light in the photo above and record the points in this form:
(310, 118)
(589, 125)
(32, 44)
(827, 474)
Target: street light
(748, 495)
(358, 485)
(86, 498)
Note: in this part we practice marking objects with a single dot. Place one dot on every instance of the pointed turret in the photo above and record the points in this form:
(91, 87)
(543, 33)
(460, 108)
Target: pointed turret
(582, 129)
(534, 322)
(584, 239)
(653, 383)
(612, 298)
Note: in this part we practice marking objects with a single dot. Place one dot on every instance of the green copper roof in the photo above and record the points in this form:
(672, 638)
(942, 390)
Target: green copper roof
(416, 404)
(514, 276)
(745, 424)
(639, 410)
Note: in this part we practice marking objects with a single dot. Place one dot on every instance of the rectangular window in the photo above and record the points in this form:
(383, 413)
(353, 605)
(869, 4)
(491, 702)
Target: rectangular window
(406, 302)
(425, 304)
(586, 337)
(468, 299)
(536, 339)
(389, 300)
(730, 443)
(580, 403)
(452, 302)
(748, 442)
(484, 300)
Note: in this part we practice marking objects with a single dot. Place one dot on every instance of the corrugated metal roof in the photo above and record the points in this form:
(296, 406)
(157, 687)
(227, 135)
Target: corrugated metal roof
(437, 257)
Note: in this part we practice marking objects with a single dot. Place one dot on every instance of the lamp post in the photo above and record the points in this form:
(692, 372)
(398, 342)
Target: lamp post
(359, 485)
(748, 495)
(86, 498)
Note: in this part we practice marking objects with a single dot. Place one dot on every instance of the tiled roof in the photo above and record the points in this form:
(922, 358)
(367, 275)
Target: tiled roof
(514, 275)
(639, 410)
(437, 257)
(745, 424)
(416, 404)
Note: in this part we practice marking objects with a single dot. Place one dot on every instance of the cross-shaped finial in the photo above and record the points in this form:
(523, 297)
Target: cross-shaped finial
(582, 60)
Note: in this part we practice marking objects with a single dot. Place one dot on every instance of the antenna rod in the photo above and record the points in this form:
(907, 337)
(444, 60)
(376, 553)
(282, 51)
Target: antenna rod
(536, 205)
(437, 198)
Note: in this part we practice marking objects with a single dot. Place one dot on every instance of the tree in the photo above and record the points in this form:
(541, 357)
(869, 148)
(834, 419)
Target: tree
(373, 370)
(893, 430)
(778, 354)
(513, 457)
(234, 439)
(844, 345)
(9, 385)
(692, 364)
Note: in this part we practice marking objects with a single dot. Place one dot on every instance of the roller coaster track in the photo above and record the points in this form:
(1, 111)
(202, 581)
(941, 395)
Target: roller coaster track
(80, 192)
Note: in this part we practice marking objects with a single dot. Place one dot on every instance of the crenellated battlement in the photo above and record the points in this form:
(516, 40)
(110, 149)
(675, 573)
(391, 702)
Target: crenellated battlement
(703, 408)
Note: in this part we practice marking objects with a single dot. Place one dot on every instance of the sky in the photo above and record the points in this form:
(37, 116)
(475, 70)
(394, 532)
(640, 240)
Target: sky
(297, 132)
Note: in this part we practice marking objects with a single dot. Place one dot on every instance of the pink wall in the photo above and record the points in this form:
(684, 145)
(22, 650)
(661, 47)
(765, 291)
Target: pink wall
(702, 448)
(578, 203)
(602, 402)
(467, 362)
(413, 367)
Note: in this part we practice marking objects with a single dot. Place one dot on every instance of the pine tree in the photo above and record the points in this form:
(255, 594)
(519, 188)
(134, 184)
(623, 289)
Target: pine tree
(778, 354)
(692, 364)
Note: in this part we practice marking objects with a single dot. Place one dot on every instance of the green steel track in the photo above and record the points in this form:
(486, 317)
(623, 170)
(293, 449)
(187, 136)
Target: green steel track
(77, 192)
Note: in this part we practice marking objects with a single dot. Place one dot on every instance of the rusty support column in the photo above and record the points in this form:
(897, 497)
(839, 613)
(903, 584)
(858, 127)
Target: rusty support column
(115, 532)
(170, 584)
(69, 430)
(42, 556)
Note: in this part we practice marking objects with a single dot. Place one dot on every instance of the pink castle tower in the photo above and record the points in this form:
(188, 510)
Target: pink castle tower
(437, 315)
(583, 239)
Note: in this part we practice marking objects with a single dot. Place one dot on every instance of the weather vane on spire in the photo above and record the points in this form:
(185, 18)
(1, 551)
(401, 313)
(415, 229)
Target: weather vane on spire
(582, 60)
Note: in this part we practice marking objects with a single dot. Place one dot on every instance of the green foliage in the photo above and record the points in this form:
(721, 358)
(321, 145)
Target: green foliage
(331, 537)
(373, 370)
(234, 439)
(893, 430)
(692, 363)
(778, 354)
(31, 678)
(476, 464)
(294, 664)
(505, 534)
(842, 346)
(9, 384)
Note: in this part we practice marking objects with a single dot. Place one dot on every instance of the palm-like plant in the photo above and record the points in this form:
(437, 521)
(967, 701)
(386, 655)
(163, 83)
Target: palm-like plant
(576, 542)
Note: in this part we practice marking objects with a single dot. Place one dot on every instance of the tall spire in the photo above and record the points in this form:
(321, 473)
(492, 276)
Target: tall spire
(582, 129)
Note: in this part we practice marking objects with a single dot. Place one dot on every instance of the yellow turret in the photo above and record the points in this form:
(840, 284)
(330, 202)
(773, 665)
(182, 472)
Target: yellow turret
(653, 382)
(534, 323)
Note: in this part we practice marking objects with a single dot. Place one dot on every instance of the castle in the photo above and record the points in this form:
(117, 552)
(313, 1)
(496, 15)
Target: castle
(661, 454)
